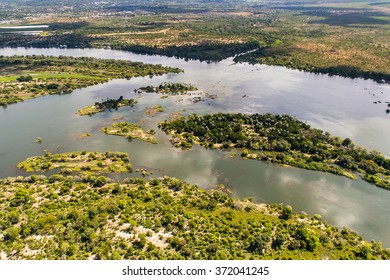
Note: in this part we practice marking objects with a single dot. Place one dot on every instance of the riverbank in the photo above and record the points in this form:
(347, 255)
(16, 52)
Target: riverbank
(27, 77)
(74, 218)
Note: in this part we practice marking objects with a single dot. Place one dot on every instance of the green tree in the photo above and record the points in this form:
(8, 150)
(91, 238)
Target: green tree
(100, 181)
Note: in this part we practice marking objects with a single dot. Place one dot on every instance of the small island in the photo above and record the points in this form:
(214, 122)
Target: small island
(85, 135)
(109, 104)
(280, 139)
(152, 111)
(79, 162)
(169, 89)
(131, 131)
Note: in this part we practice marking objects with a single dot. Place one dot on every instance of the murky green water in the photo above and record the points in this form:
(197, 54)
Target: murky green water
(341, 106)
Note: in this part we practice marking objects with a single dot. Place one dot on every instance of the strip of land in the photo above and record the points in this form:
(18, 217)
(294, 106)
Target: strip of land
(26, 77)
(79, 162)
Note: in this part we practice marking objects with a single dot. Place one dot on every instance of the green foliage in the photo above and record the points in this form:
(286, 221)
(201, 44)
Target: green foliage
(280, 139)
(309, 238)
(131, 131)
(159, 219)
(24, 78)
(108, 104)
(259, 244)
(287, 212)
(22, 196)
(78, 162)
(100, 181)
(169, 89)
(11, 234)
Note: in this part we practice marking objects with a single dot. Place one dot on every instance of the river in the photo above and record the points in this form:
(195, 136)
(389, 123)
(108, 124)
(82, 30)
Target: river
(344, 107)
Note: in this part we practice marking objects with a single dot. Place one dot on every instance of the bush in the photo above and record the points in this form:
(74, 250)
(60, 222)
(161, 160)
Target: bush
(287, 212)
(100, 181)
(11, 234)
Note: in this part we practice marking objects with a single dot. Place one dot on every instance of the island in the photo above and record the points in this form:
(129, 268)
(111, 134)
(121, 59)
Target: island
(279, 139)
(108, 104)
(83, 162)
(169, 89)
(131, 131)
(152, 111)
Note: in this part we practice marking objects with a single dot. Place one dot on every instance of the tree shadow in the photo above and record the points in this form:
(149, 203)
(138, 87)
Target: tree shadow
(349, 18)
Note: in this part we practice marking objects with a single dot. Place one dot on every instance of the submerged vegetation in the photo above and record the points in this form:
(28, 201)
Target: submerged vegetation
(131, 131)
(152, 111)
(109, 104)
(26, 77)
(72, 218)
(280, 139)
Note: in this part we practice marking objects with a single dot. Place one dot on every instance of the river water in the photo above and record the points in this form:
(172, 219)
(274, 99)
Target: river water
(344, 107)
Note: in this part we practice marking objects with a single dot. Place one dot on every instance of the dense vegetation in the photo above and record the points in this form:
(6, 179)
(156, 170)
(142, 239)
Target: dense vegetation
(81, 163)
(73, 218)
(131, 131)
(278, 55)
(280, 139)
(168, 88)
(210, 52)
(25, 77)
(108, 104)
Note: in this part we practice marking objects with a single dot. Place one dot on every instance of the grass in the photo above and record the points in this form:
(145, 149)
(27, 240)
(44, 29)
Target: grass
(130, 131)
(48, 75)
